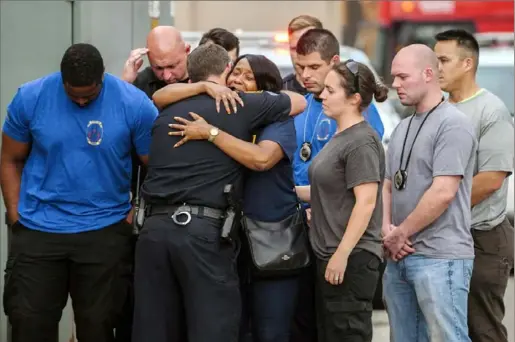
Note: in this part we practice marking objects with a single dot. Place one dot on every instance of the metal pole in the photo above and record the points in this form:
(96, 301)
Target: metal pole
(172, 11)
(153, 13)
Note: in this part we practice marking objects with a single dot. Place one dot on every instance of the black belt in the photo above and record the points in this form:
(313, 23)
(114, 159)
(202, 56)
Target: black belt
(185, 210)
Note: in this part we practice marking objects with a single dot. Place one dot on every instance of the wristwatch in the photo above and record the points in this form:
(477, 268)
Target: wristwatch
(213, 133)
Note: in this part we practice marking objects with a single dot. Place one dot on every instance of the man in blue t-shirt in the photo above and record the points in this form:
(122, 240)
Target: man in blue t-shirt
(317, 51)
(65, 178)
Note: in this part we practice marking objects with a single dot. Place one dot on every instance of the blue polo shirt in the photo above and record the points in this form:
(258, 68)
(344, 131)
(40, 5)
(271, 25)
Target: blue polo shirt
(269, 195)
(315, 127)
(77, 175)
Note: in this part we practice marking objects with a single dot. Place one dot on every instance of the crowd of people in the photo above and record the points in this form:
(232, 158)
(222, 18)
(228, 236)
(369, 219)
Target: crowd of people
(206, 199)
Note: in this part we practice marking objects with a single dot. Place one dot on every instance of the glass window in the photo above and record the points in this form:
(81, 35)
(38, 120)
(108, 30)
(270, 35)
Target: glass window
(498, 80)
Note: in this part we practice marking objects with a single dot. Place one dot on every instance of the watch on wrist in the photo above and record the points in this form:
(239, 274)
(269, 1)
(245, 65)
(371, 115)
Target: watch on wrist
(213, 133)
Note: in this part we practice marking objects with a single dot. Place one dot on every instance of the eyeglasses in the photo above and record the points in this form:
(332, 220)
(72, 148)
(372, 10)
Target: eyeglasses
(353, 67)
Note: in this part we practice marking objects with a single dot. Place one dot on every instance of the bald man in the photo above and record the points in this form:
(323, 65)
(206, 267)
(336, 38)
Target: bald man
(167, 54)
(426, 208)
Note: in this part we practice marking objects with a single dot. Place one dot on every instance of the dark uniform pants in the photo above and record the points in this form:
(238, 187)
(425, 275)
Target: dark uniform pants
(344, 312)
(304, 326)
(43, 268)
(185, 278)
(492, 265)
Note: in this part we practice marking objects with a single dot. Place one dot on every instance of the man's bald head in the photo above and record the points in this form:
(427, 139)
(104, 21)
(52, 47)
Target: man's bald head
(163, 39)
(167, 53)
(420, 54)
(415, 73)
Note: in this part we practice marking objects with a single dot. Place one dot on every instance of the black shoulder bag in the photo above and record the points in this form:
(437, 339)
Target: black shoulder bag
(278, 248)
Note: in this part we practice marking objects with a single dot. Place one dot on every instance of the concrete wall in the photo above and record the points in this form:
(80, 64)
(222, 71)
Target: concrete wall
(29, 48)
(253, 15)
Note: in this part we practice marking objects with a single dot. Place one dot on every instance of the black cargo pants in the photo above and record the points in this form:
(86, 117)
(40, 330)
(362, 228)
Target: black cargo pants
(43, 268)
(344, 312)
(185, 278)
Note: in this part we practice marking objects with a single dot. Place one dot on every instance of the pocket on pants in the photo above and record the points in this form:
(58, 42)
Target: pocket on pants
(214, 258)
(347, 319)
(9, 295)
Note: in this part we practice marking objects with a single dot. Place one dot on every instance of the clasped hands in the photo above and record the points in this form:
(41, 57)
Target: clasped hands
(396, 242)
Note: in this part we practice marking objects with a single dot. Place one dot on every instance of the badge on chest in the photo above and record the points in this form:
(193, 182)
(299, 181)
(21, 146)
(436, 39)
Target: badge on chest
(95, 132)
(305, 152)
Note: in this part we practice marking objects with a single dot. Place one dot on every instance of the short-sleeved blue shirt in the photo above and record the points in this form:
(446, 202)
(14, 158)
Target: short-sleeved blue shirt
(77, 175)
(315, 127)
(269, 195)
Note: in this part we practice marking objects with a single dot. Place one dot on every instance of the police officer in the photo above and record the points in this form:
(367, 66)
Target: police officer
(182, 260)
(167, 53)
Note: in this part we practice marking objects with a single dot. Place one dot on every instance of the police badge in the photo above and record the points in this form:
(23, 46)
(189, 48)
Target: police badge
(305, 152)
(400, 179)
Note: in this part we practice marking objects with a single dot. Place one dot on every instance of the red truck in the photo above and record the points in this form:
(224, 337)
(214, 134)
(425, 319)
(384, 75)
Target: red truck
(406, 22)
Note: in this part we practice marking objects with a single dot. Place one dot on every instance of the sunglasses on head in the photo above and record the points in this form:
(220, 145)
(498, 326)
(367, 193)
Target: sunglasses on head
(353, 67)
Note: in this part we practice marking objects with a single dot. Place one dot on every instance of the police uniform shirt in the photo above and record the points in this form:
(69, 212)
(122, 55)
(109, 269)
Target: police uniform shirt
(147, 82)
(290, 83)
(196, 172)
(277, 182)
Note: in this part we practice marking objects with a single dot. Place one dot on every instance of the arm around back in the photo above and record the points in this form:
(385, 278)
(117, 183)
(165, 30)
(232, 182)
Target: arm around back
(175, 92)
(267, 107)
(298, 102)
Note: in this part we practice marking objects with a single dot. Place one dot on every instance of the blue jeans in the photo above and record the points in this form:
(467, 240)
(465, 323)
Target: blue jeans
(269, 305)
(426, 299)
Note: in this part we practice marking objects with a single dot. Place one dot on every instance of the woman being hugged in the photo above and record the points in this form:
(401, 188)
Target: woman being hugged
(275, 244)
(346, 206)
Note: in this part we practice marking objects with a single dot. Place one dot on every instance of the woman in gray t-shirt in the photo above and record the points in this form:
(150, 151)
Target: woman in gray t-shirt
(345, 194)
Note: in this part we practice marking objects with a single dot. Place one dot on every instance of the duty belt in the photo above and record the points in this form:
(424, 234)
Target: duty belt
(175, 211)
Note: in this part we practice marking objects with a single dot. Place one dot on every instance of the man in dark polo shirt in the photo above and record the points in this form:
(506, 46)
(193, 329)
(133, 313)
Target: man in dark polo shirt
(167, 54)
(296, 28)
(181, 259)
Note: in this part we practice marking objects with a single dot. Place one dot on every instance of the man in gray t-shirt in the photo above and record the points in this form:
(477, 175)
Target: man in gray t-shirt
(444, 147)
(494, 130)
(426, 204)
(458, 53)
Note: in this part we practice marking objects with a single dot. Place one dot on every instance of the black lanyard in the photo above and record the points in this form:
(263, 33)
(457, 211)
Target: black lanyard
(416, 135)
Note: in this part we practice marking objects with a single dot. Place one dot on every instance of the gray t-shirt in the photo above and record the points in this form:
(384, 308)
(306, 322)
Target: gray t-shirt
(494, 130)
(445, 146)
(352, 157)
